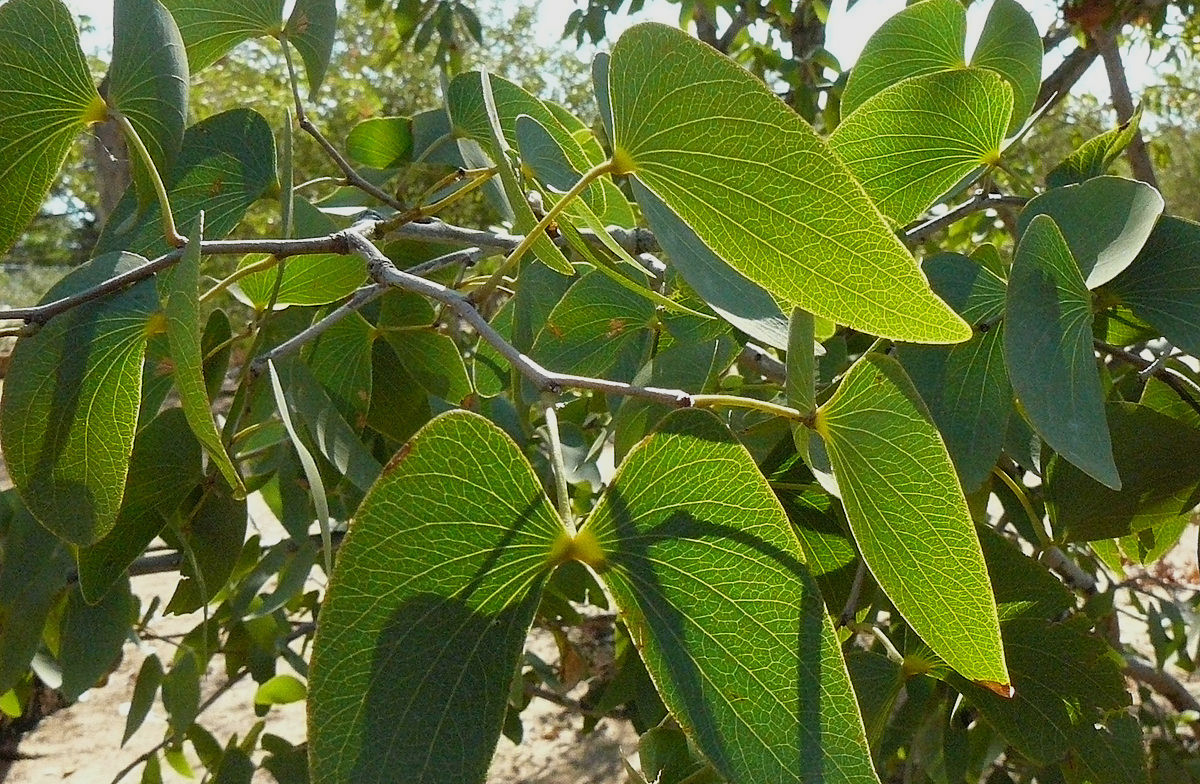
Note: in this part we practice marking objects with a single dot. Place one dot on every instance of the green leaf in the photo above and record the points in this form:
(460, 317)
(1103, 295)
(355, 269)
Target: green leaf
(164, 468)
(598, 329)
(181, 691)
(712, 585)
(742, 303)
(280, 690)
(416, 679)
(909, 517)
(924, 38)
(33, 572)
(148, 83)
(1156, 284)
(1048, 350)
(226, 164)
(931, 36)
(309, 279)
(1102, 247)
(91, 636)
(434, 361)
(381, 142)
(801, 362)
(1159, 461)
(210, 537)
(211, 28)
(1011, 45)
(149, 678)
(71, 403)
(912, 142)
(48, 97)
(311, 29)
(966, 387)
(1111, 753)
(313, 476)
(1093, 157)
(705, 137)
(341, 360)
(178, 291)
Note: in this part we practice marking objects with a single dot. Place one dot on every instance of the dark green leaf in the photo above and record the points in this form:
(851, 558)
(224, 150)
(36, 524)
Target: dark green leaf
(1048, 351)
(48, 97)
(181, 691)
(311, 29)
(226, 164)
(912, 142)
(1156, 285)
(966, 386)
(341, 360)
(211, 28)
(148, 83)
(416, 678)
(712, 586)
(1101, 246)
(1159, 461)
(90, 638)
(434, 361)
(211, 537)
(909, 516)
(71, 403)
(164, 468)
(705, 137)
(149, 678)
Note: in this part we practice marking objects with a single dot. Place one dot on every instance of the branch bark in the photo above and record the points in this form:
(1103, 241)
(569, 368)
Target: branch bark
(1139, 157)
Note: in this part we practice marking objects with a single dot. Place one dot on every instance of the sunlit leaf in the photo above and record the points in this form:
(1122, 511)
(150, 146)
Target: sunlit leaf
(712, 585)
(211, 28)
(761, 189)
(909, 517)
(381, 142)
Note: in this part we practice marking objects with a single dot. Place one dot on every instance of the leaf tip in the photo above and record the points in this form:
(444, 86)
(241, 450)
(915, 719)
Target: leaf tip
(1004, 690)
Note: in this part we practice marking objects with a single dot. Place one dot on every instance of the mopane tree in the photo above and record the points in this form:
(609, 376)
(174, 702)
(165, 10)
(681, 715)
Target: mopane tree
(855, 491)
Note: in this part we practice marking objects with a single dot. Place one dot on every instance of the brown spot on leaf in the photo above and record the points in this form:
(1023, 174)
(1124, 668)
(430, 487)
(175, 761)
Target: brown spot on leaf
(616, 327)
(1004, 690)
(394, 463)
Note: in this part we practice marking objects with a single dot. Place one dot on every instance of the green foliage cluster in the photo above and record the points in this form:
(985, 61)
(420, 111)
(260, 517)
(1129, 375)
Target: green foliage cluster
(824, 492)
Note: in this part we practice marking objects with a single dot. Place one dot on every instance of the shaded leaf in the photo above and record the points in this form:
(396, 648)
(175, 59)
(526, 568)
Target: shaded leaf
(1048, 350)
(705, 137)
(1102, 247)
(340, 359)
(148, 83)
(1093, 157)
(909, 517)
(434, 361)
(311, 29)
(149, 678)
(48, 97)
(71, 403)
(90, 638)
(712, 585)
(416, 679)
(1157, 285)
(211, 537)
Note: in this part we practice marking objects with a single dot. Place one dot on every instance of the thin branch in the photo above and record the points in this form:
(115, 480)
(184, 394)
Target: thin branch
(850, 610)
(382, 271)
(1167, 686)
(1057, 561)
(1139, 158)
(978, 202)
(359, 300)
(763, 363)
(1179, 385)
(1058, 84)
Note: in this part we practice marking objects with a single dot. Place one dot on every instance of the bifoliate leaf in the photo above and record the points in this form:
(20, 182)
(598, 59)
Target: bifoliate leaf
(416, 678)
(1102, 247)
(211, 28)
(930, 36)
(164, 468)
(1159, 461)
(1157, 284)
(712, 585)
(761, 189)
(311, 29)
(48, 97)
(148, 83)
(178, 291)
(909, 517)
(912, 142)
(966, 386)
(1093, 157)
(381, 142)
(226, 164)
(71, 403)
(1048, 350)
